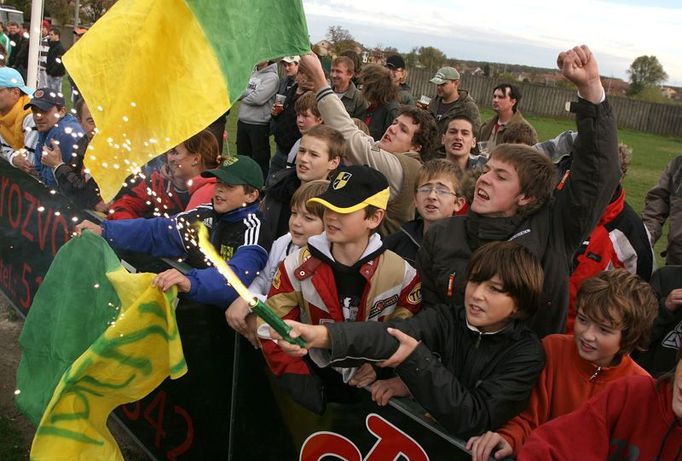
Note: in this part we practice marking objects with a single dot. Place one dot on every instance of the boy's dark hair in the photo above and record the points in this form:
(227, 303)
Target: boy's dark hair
(514, 93)
(307, 102)
(249, 189)
(519, 270)
(440, 167)
(307, 191)
(55, 31)
(346, 61)
(205, 144)
(535, 170)
(377, 84)
(370, 210)
(520, 133)
(79, 107)
(619, 291)
(336, 143)
(426, 134)
(464, 117)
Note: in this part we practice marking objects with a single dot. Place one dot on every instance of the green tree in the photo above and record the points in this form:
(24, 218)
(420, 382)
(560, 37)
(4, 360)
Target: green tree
(411, 58)
(645, 72)
(431, 58)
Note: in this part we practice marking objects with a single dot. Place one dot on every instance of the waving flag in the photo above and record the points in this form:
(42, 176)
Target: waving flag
(109, 339)
(155, 72)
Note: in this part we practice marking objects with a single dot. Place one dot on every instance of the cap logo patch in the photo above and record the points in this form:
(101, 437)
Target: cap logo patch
(229, 161)
(341, 180)
(39, 94)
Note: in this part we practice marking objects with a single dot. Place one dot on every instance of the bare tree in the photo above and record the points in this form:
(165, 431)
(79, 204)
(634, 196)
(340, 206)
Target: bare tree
(337, 34)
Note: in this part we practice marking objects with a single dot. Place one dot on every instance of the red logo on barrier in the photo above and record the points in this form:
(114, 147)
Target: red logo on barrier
(391, 443)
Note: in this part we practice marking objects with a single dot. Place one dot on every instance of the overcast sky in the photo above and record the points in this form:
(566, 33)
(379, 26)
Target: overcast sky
(529, 32)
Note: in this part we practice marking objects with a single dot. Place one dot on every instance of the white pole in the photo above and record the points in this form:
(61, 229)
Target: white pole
(34, 42)
(76, 15)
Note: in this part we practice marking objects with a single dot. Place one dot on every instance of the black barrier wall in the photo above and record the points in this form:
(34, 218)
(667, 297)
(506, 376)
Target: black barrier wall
(226, 406)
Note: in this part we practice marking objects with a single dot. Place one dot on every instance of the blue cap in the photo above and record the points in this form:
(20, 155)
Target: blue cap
(10, 78)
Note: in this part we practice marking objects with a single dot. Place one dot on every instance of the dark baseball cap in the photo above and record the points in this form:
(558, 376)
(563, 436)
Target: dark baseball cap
(236, 170)
(395, 62)
(45, 99)
(355, 188)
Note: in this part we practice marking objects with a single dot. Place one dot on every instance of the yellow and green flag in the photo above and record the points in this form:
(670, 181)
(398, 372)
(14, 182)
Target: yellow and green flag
(96, 337)
(156, 72)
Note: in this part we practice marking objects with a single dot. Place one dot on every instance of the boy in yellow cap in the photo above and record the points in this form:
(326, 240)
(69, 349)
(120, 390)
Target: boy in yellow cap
(343, 275)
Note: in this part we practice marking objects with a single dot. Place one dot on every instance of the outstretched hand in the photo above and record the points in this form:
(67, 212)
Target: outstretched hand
(88, 225)
(311, 67)
(313, 335)
(407, 345)
(580, 67)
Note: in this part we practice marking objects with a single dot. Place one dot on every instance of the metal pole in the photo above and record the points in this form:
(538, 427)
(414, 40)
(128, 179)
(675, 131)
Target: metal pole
(76, 15)
(34, 42)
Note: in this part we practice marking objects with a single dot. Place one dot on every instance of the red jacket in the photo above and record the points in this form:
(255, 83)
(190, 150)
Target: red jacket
(632, 420)
(153, 196)
(201, 192)
(565, 383)
(618, 241)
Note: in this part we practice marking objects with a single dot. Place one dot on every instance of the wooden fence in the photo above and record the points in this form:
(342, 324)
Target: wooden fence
(663, 119)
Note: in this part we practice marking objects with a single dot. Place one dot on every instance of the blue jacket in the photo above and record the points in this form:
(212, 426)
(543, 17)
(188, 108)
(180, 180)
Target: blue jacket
(239, 236)
(68, 132)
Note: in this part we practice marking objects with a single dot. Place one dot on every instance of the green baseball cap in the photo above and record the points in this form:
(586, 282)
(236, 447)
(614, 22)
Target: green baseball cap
(444, 74)
(236, 170)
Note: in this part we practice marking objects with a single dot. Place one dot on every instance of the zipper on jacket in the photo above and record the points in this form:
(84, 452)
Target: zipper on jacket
(595, 374)
(478, 340)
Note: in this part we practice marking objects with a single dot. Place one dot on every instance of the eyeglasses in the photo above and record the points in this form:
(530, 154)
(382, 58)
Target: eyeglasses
(440, 191)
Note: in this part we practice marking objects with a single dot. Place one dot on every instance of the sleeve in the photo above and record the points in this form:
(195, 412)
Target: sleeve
(410, 298)
(662, 282)
(657, 202)
(582, 434)
(361, 149)
(210, 287)
(595, 173)
(156, 236)
(517, 430)
(467, 411)
(431, 293)
(293, 374)
(132, 204)
(263, 92)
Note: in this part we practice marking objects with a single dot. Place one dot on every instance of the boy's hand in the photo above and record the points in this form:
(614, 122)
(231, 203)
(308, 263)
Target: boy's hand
(674, 300)
(313, 335)
(311, 68)
(407, 345)
(384, 389)
(482, 447)
(165, 280)
(236, 315)
(88, 225)
(364, 376)
(21, 161)
(52, 156)
(580, 67)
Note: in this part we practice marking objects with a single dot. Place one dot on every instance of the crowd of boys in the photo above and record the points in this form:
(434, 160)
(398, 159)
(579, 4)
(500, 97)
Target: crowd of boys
(445, 280)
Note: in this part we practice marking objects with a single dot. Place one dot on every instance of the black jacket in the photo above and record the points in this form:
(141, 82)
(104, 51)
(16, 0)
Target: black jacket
(407, 240)
(666, 334)
(54, 66)
(276, 206)
(381, 118)
(469, 381)
(553, 233)
(284, 126)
